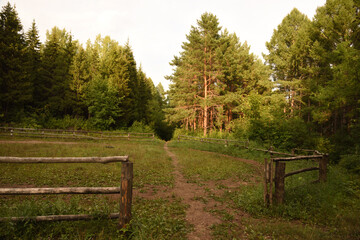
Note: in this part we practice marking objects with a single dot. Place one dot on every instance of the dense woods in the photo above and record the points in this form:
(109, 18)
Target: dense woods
(305, 94)
(61, 83)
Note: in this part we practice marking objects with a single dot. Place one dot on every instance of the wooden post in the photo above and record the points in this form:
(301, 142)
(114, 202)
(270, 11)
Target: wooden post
(178, 138)
(126, 193)
(323, 168)
(271, 178)
(279, 182)
(266, 174)
(129, 136)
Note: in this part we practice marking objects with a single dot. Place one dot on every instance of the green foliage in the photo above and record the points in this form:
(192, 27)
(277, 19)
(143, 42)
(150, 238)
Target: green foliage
(282, 133)
(212, 78)
(140, 127)
(333, 204)
(103, 103)
(351, 163)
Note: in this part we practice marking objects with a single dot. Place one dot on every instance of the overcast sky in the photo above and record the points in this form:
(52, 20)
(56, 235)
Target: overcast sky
(156, 29)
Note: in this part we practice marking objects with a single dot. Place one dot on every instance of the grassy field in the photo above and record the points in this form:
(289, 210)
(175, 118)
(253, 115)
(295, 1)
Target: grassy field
(233, 189)
(311, 211)
(152, 167)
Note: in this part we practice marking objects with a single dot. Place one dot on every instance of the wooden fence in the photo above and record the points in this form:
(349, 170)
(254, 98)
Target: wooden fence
(225, 142)
(237, 143)
(70, 134)
(277, 178)
(125, 188)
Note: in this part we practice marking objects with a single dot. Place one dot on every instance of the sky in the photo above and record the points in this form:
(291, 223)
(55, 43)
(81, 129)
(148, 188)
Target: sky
(156, 29)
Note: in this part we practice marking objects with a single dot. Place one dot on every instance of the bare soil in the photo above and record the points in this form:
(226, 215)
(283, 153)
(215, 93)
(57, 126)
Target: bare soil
(195, 214)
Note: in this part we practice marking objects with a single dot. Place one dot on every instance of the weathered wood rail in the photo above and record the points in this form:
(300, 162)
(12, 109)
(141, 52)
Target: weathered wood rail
(125, 188)
(237, 143)
(70, 134)
(278, 176)
(212, 140)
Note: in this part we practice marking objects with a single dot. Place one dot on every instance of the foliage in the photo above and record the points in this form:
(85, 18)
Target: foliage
(212, 78)
(60, 79)
(351, 163)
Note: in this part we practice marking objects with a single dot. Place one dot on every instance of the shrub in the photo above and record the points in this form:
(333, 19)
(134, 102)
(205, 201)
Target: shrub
(351, 163)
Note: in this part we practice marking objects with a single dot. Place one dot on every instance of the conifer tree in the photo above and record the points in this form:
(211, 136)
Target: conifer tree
(15, 89)
(33, 61)
(287, 57)
(56, 95)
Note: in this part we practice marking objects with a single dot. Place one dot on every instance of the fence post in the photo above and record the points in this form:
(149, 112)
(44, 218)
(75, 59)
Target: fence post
(178, 138)
(266, 174)
(129, 136)
(126, 193)
(323, 168)
(279, 182)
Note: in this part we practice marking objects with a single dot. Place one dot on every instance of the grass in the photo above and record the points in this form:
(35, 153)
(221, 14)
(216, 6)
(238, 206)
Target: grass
(212, 167)
(311, 210)
(152, 219)
(231, 149)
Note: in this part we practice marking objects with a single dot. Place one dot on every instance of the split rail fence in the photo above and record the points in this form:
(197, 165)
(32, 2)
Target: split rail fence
(125, 189)
(237, 143)
(70, 134)
(225, 142)
(277, 178)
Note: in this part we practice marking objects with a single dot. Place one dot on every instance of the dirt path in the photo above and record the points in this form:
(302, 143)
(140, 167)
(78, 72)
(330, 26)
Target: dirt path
(195, 214)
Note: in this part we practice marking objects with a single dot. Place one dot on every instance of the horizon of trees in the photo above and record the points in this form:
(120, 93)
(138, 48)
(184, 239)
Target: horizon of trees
(99, 85)
(305, 94)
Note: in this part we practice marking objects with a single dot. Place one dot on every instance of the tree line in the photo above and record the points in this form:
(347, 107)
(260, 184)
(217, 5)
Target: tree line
(100, 84)
(306, 93)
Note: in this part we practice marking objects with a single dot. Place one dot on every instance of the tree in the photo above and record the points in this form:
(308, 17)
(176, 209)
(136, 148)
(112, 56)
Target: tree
(196, 82)
(212, 77)
(15, 89)
(288, 57)
(56, 95)
(33, 60)
(336, 65)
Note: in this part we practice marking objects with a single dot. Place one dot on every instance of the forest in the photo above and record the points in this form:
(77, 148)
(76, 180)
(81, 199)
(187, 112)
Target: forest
(306, 92)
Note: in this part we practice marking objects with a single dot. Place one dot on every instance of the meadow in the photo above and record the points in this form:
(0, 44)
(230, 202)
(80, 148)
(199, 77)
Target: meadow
(230, 177)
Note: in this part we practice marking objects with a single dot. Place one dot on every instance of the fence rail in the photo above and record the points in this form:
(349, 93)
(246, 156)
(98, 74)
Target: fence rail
(278, 178)
(70, 134)
(242, 144)
(125, 188)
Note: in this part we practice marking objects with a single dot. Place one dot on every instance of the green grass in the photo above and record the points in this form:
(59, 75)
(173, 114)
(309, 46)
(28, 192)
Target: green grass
(152, 219)
(329, 210)
(230, 150)
(205, 166)
(151, 164)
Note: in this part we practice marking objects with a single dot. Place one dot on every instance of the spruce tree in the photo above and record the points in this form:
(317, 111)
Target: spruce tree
(15, 88)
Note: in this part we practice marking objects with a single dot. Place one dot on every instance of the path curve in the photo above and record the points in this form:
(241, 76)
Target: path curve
(195, 214)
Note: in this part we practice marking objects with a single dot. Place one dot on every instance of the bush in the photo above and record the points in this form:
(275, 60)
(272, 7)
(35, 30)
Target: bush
(140, 127)
(351, 163)
(282, 133)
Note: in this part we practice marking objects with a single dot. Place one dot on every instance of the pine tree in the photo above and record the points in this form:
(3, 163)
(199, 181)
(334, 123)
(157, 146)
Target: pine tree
(15, 89)
(56, 95)
(196, 81)
(33, 60)
(287, 57)
(336, 65)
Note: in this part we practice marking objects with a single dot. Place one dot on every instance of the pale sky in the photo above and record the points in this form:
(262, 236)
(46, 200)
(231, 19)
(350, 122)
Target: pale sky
(156, 29)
